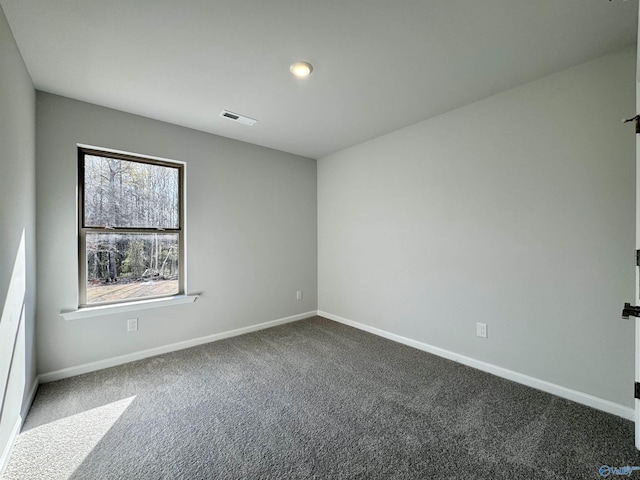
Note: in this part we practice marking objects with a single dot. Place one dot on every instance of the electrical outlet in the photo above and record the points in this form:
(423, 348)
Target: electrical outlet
(132, 325)
(481, 330)
(299, 295)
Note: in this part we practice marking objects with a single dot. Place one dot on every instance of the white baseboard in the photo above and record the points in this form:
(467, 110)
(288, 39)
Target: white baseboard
(131, 357)
(32, 395)
(7, 448)
(564, 392)
(4, 458)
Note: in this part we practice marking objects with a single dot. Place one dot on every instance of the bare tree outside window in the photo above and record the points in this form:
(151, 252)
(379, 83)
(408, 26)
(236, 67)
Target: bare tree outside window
(130, 227)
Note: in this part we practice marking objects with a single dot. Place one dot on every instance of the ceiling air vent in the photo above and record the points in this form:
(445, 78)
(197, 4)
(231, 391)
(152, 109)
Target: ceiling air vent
(236, 117)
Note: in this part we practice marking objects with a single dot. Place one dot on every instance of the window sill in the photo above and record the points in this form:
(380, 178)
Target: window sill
(87, 312)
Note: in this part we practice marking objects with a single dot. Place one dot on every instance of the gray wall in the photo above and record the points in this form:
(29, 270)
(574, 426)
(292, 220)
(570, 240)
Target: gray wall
(251, 233)
(517, 211)
(17, 233)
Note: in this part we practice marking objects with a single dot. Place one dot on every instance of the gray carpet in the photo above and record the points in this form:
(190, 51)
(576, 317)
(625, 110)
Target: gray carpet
(311, 399)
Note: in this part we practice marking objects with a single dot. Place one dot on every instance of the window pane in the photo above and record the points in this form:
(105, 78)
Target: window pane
(121, 193)
(126, 266)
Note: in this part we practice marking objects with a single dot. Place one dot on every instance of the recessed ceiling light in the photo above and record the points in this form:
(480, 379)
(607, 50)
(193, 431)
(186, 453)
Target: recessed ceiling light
(301, 69)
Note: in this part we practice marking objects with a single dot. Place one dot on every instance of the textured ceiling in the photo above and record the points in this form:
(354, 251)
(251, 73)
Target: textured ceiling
(379, 65)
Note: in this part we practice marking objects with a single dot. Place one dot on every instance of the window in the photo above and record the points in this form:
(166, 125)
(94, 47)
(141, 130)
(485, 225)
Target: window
(131, 238)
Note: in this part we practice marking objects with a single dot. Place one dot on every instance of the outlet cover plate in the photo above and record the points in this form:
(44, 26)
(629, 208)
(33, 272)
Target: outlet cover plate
(481, 330)
(132, 325)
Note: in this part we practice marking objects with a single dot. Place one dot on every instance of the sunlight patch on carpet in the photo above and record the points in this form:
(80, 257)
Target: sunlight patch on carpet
(55, 450)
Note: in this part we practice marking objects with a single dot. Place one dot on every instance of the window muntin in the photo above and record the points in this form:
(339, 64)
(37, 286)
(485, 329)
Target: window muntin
(131, 241)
